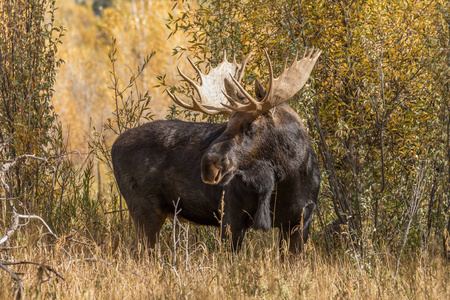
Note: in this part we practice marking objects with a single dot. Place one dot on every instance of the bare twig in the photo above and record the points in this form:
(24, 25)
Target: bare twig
(175, 238)
(13, 228)
(300, 21)
(20, 293)
(413, 208)
(115, 211)
(40, 219)
(10, 198)
(177, 275)
(380, 124)
(12, 248)
(15, 224)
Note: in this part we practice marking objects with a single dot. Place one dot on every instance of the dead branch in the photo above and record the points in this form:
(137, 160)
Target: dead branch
(20, 293)
(45, 267)
(13, 228)
(42, 220)
(15, 224)
(80, 242)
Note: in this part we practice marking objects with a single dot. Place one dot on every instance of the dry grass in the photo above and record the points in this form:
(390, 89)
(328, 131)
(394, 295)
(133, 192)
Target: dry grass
(199, 267)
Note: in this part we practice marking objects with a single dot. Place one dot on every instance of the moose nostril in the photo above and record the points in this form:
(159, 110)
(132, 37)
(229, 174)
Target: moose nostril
(218, 176)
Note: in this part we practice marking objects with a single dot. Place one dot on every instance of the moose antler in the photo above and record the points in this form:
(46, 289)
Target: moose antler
(280, 89)
(211, 86)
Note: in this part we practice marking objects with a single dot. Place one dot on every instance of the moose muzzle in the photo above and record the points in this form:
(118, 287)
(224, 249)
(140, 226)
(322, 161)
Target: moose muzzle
(216, 169)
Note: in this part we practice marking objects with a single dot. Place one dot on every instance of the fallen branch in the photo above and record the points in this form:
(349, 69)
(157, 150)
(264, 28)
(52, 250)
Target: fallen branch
(7, 164)
(46, 267)
(80, 242)
(15, 225)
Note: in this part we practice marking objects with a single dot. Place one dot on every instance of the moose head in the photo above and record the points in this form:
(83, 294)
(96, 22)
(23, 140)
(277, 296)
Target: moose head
(250, 119)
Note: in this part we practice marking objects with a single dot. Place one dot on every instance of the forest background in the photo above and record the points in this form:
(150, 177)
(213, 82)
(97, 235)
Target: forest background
(376, 107)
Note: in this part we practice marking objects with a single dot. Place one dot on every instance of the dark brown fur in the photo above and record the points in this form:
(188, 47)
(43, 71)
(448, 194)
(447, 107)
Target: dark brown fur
(163, 161)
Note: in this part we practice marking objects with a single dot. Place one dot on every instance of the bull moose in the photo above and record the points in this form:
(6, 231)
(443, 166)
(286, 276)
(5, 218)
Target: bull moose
(260, 163)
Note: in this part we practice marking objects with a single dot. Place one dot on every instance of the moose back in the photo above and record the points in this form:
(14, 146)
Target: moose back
(263, 146)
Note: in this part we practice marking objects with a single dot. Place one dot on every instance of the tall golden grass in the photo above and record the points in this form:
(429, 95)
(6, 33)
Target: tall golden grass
(191, 262)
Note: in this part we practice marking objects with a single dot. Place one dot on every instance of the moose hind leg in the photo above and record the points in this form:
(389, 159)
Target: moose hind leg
(297, 238)
(292, 238)
(147, 220)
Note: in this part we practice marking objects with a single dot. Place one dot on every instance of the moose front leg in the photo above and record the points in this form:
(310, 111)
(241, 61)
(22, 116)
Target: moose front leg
(234, 231)
(263, 219)
(263, 184)
(296, 236)
(234, 217)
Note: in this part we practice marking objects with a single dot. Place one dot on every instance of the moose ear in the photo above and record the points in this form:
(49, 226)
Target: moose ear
(259, 90)
(232, 91)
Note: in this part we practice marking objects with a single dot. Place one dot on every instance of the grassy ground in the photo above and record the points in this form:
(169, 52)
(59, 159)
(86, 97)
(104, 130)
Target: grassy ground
(194, 264)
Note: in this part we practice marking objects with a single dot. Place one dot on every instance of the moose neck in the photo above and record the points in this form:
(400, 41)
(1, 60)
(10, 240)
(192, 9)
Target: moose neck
(282, 143)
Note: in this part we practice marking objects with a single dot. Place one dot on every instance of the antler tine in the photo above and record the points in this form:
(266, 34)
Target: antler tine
(280, 89)
(253, 102)
(224, 56)
(238, 109)
(232, 101)
(200, 75)
(190, 81)
(196, 106)
(255, 106)
(259, 107)
(178, 100)
(285, 65)
(239, 106)
(317, 54)
(243, 65)
(271, 77)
